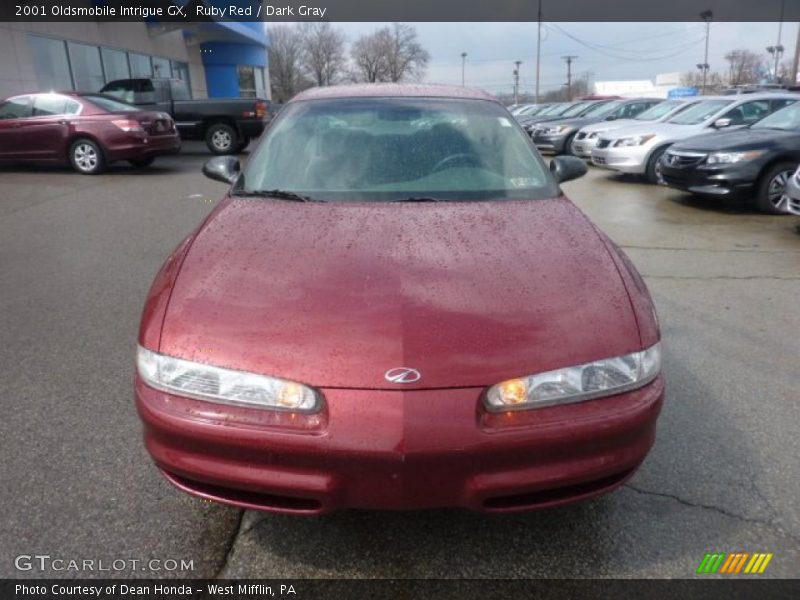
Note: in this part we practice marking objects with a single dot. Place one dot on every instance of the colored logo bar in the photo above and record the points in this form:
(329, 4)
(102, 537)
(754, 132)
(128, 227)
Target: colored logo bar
(734, 563)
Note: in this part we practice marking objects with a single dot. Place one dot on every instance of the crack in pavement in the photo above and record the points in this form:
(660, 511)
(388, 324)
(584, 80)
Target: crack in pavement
(712, 250)
(717, 509)
(725, 277)
(230, 546)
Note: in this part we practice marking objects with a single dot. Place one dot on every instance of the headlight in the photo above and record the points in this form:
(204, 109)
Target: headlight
(638, 140)
(556, 130)
(574, 384)
(206, 382)
(725, 158)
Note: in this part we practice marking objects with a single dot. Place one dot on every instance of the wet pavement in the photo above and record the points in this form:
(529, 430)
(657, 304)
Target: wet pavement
(77, 255)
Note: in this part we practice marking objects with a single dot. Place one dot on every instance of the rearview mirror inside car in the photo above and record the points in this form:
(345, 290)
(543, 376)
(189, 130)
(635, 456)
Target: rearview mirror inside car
(222, 168)
(721, 123)
(566, 168)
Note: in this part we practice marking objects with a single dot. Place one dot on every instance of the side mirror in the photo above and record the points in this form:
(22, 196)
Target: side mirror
(722, 123)
(611, 118)
(567, 168)
(222, 168)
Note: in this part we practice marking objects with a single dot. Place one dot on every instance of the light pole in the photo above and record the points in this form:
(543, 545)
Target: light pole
(463, 67)
(538, 49)
(569, 60)
(517, 63)
(706, 15)
(777, 52)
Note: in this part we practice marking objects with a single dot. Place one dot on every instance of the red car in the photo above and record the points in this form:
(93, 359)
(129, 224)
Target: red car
(396, 307)
(88, 131)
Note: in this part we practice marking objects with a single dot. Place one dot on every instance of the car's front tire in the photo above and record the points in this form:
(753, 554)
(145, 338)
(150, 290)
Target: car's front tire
(653, 171)
(222, 139)
(86, 157)
(771, 190)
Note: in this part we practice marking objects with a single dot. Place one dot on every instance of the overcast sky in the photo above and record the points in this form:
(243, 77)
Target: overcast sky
(620, 50)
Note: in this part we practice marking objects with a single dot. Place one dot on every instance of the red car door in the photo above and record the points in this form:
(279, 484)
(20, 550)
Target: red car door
(46, 131)
(13, 113)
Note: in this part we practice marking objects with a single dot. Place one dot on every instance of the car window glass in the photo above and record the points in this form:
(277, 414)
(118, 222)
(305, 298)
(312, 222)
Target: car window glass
(15, 108)
(779, 103)
(786, 118)
(49, 104)
(749, 112)
(110, 104)
(392, 148)
(657, 111)
(576, 109)
(700, 112)
(603, 110)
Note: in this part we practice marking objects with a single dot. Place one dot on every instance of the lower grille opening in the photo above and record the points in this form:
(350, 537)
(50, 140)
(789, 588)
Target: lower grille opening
(257, 499)
(556, 494)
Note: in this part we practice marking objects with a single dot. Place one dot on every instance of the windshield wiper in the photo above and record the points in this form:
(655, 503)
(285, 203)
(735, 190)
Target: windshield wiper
(280, 194)
(418, 199)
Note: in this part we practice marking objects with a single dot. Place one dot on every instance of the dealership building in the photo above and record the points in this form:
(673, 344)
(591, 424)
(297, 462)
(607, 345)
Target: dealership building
(217, 58)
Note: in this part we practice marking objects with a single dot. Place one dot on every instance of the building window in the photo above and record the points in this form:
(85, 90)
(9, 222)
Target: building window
(180, 70)
(247, 81)
(140, 65)
(261, 90)
(87, 69)
(51, 63)
(115, 64)
(161, 67)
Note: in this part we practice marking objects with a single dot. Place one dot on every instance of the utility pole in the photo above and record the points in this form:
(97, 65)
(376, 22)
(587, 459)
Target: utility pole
(539, 49)
(463, 67)
(796, 63)
(777, 49)
(706, 15)
(569, 60)
(517, 63)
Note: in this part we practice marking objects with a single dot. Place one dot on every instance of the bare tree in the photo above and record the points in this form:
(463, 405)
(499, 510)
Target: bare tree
(323, 52)
(285, 62)
(715, 83)
(369, 57)
(405, 56)
(389, 54)
(744, 66)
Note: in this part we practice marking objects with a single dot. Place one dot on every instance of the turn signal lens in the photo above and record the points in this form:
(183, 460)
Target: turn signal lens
(226, 386)
(604, 377)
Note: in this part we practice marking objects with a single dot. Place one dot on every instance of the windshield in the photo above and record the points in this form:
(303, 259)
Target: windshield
(662, 109)
(531, 110)
(603, 110)
(576, 109)
(555, 109)
(699, 112)
(376, 149)
(786, 118)
(109, 104)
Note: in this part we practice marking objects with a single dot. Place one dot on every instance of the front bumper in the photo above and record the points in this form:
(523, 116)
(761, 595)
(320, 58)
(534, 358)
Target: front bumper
(397, 450)
(583, 147)
(730, 181)
(629, 159)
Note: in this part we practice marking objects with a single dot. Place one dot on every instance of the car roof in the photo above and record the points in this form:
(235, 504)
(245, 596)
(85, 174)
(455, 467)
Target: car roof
(389, 90)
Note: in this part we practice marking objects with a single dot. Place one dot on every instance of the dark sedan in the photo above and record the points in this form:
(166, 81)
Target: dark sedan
(752, 163)
(88, 131)
(556, 135)
(575, 109)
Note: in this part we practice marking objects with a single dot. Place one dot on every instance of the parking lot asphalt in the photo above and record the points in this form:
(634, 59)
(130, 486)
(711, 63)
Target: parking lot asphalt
(77, 255)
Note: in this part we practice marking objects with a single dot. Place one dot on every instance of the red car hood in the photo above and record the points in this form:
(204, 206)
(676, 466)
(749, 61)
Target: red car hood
(335, 295)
